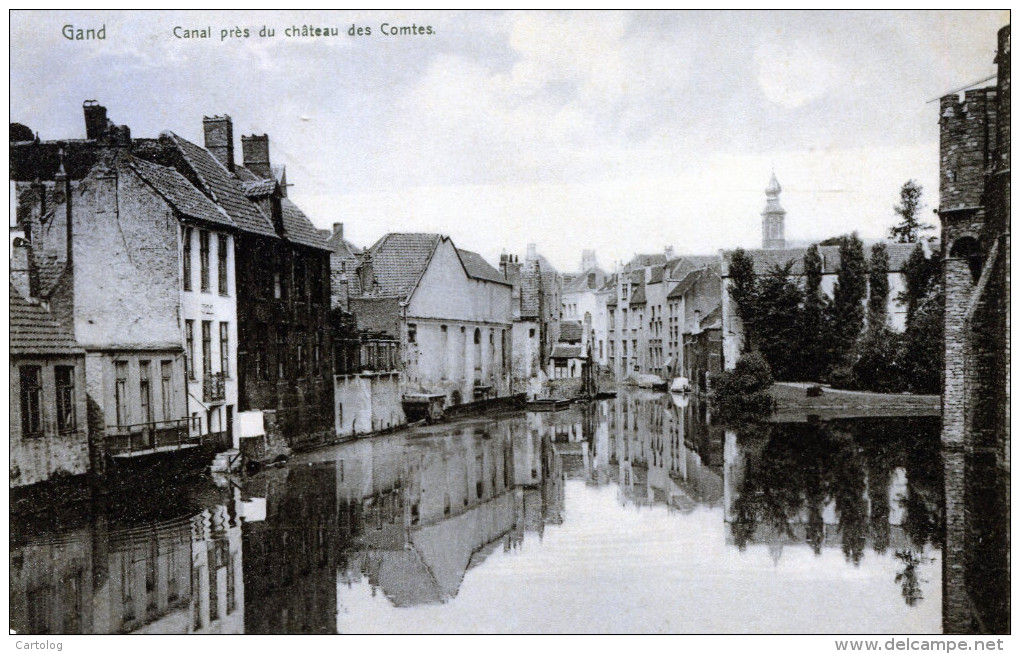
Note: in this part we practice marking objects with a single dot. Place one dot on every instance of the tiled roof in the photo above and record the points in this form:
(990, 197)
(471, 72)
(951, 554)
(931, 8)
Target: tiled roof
(398, 260)
(582, 282)
(684, 285)
(225, 189)
(259, 187)
(638, 296)
(333, 242)
(571, 331)
(764, 260)
(479, 268)
(34, 331)
(180, 193)
(298, 228)
(643, 260)
(656, 275)
(713, 320)
(564, 351)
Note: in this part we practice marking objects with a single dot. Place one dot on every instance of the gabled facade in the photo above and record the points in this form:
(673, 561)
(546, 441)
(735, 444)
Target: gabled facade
(537, 312)
(450, 309)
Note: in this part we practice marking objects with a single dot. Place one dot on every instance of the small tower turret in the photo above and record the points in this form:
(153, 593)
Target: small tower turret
(773, 217)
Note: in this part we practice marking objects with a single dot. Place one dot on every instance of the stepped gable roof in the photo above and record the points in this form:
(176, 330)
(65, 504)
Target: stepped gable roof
(684, 285)
(225, 189)
(564, 351)
(477, 267)
(571, 331)
(35, 332)
(298, 228)
(398, 261)
(180, 193)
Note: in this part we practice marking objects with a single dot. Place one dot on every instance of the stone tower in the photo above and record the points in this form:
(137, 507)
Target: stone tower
(974, 207)
(773, 217)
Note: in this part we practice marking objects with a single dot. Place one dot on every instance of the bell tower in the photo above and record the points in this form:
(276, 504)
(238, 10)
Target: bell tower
(773, 217)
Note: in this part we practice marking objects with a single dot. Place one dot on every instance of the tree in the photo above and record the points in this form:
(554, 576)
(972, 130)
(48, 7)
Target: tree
(742, 395)
(910, 227)
(812, 317)
(777, 320)
(744, 292)
(923, 346)
(847, 308)
(878, 287)
(919, 272)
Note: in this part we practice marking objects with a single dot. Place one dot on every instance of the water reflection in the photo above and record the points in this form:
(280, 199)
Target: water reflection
(526, 522)
(138, 570)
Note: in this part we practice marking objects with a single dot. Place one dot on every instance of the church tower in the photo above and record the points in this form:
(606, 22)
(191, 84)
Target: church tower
(773, 217)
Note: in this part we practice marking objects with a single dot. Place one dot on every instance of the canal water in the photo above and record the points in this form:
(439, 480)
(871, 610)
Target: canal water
(634, 514)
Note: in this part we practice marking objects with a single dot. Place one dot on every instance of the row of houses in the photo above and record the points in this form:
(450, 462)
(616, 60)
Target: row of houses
(167, 296)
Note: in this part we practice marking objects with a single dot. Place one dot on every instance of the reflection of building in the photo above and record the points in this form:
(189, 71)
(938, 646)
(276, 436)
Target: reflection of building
(177, 575)
(647, 445)
(974, 208)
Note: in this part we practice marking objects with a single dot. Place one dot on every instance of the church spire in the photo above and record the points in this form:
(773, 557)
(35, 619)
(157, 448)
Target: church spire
(773, 217)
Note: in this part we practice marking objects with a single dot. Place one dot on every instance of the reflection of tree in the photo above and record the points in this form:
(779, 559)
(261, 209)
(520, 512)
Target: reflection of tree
(803, 468)
(907, 578)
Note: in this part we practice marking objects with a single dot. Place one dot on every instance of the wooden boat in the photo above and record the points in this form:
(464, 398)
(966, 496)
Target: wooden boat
(548, 404)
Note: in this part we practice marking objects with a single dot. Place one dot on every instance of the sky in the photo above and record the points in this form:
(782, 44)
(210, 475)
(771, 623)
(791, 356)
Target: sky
(614, 131)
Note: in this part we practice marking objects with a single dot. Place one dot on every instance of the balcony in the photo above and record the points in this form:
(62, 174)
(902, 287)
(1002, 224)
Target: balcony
(152, 437)
(214, 387)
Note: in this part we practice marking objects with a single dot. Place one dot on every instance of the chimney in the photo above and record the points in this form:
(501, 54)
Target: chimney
(21, 268)
(219, 139)
(338, 230)
(95, 119)
(255, 150)
(367, 273)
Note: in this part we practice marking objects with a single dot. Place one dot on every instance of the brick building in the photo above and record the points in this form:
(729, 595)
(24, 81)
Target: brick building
(537, 311)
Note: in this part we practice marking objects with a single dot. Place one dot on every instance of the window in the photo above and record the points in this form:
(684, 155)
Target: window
(225, 349)
(623, 291)
(203, 256)
(299, 279)
(281, 349)
(300, 338)
(187, 258)
(31, 400)
(120, 392)
(189, 338)
(206, 347)
(412, 332)
(317, 353)
(145, 391)
(277, 285)
(66, 418)
(222, 243)
(166, 387)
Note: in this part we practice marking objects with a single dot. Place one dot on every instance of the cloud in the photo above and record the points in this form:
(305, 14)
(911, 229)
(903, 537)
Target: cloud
(793, 73)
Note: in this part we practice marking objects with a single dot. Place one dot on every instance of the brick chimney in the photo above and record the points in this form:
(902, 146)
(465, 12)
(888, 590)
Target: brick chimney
(255, 150)
(219, 139)
(338, 230)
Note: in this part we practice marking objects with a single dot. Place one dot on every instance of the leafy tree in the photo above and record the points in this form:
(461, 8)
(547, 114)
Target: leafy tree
(744, 292)
(910, 227)
(847, 308)
(777, 321)
(878, 287)
(923, 344)
(742, 394)
(812, 318)
(920, 273)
